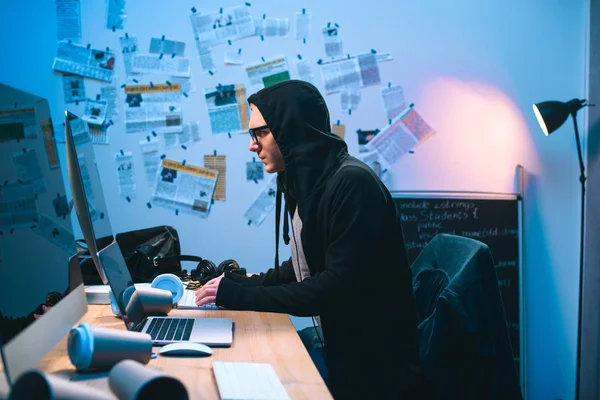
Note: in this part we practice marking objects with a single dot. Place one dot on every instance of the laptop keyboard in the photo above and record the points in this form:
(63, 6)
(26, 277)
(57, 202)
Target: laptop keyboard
(188, 300)
(170, 329)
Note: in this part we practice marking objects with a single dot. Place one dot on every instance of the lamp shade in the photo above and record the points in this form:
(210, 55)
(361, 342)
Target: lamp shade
(552, 114)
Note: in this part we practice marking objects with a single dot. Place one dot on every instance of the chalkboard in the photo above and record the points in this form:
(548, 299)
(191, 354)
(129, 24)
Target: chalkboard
(493, 220)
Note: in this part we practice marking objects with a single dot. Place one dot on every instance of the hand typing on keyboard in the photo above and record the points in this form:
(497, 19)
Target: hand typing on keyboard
(207, 294)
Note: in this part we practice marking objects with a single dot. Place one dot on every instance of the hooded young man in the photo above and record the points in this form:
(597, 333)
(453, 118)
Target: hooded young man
(349, 264)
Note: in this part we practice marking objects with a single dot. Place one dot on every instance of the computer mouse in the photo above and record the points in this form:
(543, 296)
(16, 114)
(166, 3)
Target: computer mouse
(185, 349)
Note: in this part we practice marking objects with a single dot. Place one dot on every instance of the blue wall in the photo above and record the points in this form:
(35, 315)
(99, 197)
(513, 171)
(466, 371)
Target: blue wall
(473, 69)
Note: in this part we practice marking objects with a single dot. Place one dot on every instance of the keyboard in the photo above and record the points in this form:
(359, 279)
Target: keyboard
(188, 300)
(244, 380)
(170, 328)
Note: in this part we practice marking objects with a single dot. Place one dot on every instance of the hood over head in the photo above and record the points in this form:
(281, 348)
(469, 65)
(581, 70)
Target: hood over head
(298, 118)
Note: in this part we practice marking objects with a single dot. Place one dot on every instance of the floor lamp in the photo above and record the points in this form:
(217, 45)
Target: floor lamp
(551, 115)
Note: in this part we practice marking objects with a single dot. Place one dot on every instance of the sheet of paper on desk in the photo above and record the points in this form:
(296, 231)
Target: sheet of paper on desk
(68, 20)
(73, 88)
(302, 22)
(129, 47)
(214, 27)
(24, 118)
(126, 175)
(55, 233)
(185, 188)
(115, 14)
(263, 204)
(80, 60)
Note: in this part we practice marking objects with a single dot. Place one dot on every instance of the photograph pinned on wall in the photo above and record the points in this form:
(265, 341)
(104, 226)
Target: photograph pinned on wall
(155, 64)
(73, 88)
(254, 171)
(207, 61)
(393, 100)
(126, 174)
(115, 14)
(83, 61)
(404, 133)
(166, 47)
(214, 27)
(263, 204)
(153, 107)
(271, 26)
(95, 111)
(364, 137)
(184, 188)
(150, 157)
(350, 99)
(68, 20)
(55, 233)
(333, 40)
(50, 143)
(218, 163)
(304, 69)
(339, 129)
(349, 72)
(227, 108)
(267, 72)
(302, 20)
(17, 123)
(129, 48)
(61, 206)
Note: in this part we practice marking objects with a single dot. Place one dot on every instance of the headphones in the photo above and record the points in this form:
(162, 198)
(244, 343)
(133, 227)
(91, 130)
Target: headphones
(207, 270)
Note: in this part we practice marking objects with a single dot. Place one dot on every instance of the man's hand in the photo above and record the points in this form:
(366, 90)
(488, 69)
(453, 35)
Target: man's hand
(207, 294)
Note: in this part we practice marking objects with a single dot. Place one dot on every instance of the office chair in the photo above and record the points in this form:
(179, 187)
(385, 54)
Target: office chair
(463, 337)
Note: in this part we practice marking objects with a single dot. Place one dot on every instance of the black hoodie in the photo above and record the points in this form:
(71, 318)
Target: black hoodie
(360, 280)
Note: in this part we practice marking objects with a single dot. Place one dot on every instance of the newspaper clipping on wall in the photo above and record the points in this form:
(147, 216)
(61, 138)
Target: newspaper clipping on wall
(215, 27)
(263, 204)
(153, 108)
(184, 188)
(350, 72)
(83, 61)
(267, 72)
(227, 108)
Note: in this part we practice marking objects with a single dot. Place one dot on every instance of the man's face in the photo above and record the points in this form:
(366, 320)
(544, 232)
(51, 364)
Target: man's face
(267, 148)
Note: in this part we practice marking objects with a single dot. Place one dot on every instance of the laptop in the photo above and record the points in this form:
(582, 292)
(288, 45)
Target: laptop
(162, 330)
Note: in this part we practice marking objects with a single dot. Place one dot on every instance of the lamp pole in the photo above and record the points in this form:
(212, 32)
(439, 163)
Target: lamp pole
(582, 179)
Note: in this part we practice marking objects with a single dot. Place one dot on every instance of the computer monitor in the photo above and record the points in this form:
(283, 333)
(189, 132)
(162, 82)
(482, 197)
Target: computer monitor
(86, 189)
(40, 298)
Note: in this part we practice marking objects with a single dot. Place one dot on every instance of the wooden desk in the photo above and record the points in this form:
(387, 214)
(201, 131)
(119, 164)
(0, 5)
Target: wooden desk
(258, 337)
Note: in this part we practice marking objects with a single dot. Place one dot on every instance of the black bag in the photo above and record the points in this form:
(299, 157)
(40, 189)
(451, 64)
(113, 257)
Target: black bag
(147, 253)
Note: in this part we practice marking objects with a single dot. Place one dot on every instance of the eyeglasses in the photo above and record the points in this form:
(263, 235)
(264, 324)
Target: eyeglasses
(253, 131)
